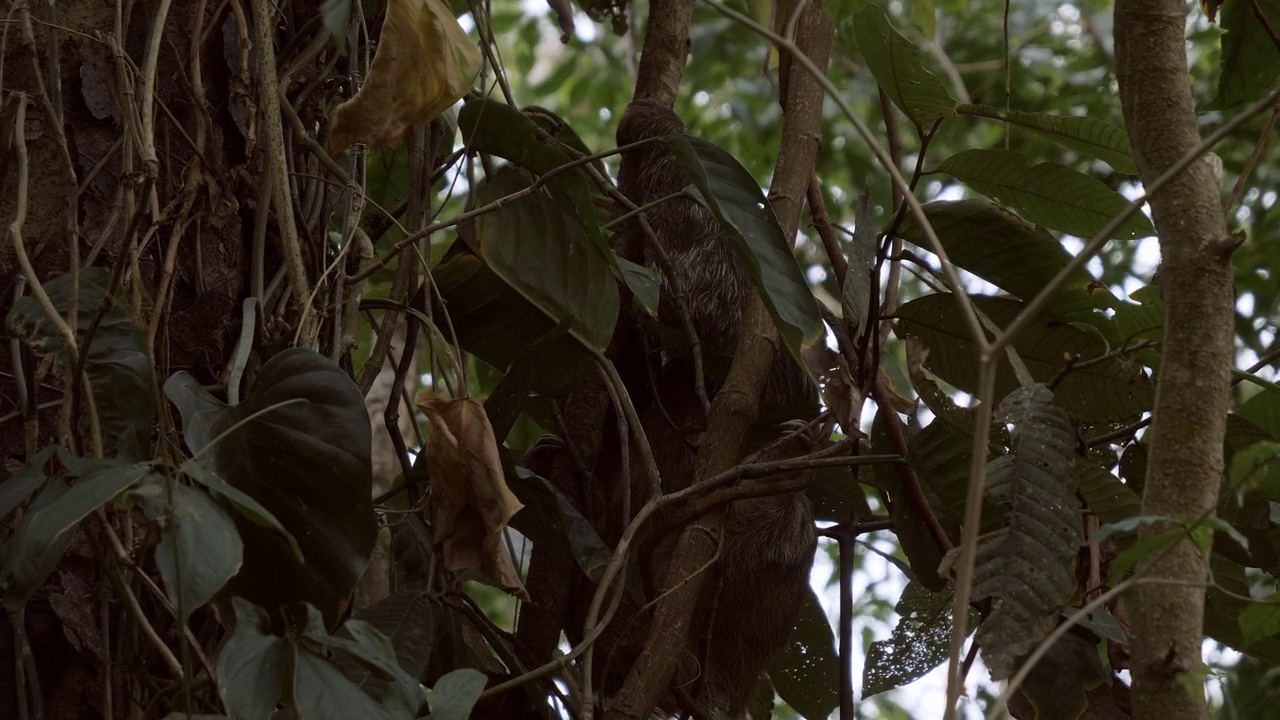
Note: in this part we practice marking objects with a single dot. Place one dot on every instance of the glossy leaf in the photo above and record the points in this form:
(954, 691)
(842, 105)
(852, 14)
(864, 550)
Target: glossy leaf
(253, 665)
(762, 248)
(299, 445)
(534, 244)
(1048, 194)
(1089, 135)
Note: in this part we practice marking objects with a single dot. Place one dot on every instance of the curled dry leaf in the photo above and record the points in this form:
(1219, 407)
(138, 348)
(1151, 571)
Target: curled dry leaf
(472, 503)
(424, 63)
(839, 390)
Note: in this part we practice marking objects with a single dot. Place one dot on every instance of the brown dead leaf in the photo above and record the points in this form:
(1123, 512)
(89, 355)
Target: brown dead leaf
(424, 63)
(472, 503)
(839, 390)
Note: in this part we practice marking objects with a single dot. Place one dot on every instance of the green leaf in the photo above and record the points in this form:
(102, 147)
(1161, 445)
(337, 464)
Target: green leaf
(1111, 500)
(541, 251)
(919, 642)
(1260, 619)
(548, 517)
(335, 13)
(1107, 391)
(1257, 467)
(643, 282)
(1057, 687)
(1263, 410)
(1250, 61)
(895, 62)
(805, 672)
(855, 296)
(252, 666)
(36, 546)
(752, 229)
(116, 364)
(456, 693)
(322, 692)
(16, 490)
(1046, 193)
(1089, 135)
(1027, 566)
(1004, 250)
(1224, 605)
(199, 548)
(299, 445)
(406, 618)
(373, 651)
(248, 508)
(493, 127)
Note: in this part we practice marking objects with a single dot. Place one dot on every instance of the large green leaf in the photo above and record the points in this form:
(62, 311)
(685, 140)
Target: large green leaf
(548, 517)
(895, 62)
(1106, 391)
(542, 252)
(322, 692)
(805, 672)
(1027, 567)
(1058, 686)
(199, 548)
(373, 651)
(39, 541)
(1224, 603)
(1006, 251)
(252, 666)
(1046, 193)
(299, 445)
(406, 619)
(1108, 498)
(116, 364)
(919, 642)
(1092, 136)
(1250, 60)
(1263, 410)
(752, 229)
(455, 694)
(19, 487)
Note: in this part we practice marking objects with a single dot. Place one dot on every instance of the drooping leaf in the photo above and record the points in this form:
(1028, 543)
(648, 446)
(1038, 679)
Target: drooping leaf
(538, 247)
(1089, 135)
(1107, 391)
(241, 502)
(804, 673)
(1046, 193)
(456, 693)
(548, 517)
(117, 365)
(1026, 567)
(424, 63)
(748, 221)
(1250, 62)
(495, 128)
(373, 651)
(470, 499)
(199, 548)
(909, 522)
(919, 643)
(896, 64)
(253, 665)
(405, 618)
(1004, 250)
(1263, 410)
(300, 446)
(1058, 686)
(322, 692)
(855, 296)
(39, 541)
(19, 487)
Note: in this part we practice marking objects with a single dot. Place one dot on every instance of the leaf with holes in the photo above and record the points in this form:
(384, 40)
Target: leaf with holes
(299, 445)
(804, 673)
(919, 642)
(1026, 568)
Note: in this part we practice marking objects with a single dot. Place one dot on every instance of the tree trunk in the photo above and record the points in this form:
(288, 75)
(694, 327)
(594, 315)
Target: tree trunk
(1186, 461)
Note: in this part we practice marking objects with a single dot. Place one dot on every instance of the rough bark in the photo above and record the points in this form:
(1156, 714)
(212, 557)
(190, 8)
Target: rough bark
(1186, 456)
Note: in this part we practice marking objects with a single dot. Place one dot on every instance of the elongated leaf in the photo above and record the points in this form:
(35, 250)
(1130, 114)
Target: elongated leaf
(747, 218)
(1089, 135)
(1263, 410)
(1111, 500)
(1004, 250)
(855, 296)
(1250, 62)
(117, 365)
(456, 693)
(548, 517)
(199, 548)
(1107, 391)
(895, 62)
(299, 445)
(541, 251)
(16, 490)
(253, 665)
(805, 673)
(1026, 567)
(35, 547)
(919, 642)
(1048, 194)
(493, 127)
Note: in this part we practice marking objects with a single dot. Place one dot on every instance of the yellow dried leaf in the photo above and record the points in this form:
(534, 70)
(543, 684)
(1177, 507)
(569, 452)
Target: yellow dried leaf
(471, 501)
(424, 63)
